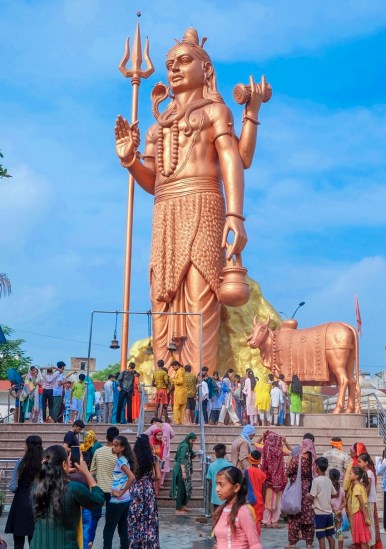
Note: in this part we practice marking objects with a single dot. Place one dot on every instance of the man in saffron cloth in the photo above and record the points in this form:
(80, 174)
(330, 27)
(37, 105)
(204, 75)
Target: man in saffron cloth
(191, 154)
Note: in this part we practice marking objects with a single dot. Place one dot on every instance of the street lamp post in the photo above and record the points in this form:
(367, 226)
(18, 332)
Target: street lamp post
(297, 308)
(295, 311)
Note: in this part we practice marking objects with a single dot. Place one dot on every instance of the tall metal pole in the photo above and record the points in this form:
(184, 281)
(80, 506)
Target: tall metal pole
(136, 73)
(88, 368)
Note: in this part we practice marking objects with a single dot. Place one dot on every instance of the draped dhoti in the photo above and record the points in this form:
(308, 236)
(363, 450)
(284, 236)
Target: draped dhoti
(185, 268)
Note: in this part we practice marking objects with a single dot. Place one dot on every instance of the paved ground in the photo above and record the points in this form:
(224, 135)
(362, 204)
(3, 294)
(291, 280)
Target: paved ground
(186, 533)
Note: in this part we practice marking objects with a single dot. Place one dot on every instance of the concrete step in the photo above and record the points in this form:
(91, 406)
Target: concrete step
(197, 502)
(12, 437)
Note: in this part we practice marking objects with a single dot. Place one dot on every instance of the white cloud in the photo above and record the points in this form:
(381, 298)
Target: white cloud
(314, 169)
(77, 40)
(317, 170)
(25, 202)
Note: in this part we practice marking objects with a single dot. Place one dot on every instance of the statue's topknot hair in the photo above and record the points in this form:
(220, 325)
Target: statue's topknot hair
(191, 37)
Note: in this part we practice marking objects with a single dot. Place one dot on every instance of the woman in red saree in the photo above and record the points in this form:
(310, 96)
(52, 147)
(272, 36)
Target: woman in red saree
(274, 469)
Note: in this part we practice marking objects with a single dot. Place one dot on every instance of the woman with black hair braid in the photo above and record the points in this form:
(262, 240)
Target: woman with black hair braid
(57, 501)
(20, 521)
(295, 392)
(142, 520)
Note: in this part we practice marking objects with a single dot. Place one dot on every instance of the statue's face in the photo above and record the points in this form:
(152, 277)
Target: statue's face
(184, 70)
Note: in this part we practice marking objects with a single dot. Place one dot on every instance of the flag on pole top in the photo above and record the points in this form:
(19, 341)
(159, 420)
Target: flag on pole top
(358, 315)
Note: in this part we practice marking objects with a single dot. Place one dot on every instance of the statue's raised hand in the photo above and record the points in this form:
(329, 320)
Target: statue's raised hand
(259, 93)
(127, 139)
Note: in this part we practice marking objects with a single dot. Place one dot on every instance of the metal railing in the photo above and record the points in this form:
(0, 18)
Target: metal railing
(380, 415)
(207, 489)
(371, 407)
(202, 432)
(144, 399)
(6, 467)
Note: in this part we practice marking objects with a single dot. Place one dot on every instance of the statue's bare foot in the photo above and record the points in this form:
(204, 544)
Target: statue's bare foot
(337, 410)
(349, 410)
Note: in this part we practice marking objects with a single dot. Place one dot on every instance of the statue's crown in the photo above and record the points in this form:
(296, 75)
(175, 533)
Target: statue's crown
(191, 38)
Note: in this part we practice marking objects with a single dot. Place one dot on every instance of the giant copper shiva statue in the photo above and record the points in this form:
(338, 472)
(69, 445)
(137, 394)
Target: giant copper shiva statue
(193, 163)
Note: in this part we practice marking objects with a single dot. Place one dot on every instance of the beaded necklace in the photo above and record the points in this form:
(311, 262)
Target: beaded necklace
(168, 120)
(174, 150)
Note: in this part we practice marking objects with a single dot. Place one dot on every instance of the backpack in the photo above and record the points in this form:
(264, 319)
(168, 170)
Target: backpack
(14, 377)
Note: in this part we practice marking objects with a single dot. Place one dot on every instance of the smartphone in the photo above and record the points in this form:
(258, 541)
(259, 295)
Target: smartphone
(75, 454)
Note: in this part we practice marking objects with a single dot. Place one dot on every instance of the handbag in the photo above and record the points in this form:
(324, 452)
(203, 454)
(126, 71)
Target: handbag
(291, 501)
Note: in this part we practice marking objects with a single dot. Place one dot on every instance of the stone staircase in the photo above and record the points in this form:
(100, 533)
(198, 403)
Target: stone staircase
(12, 437)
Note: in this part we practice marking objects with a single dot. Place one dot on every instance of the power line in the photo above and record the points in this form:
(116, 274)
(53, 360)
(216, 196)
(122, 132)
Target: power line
(58, 337)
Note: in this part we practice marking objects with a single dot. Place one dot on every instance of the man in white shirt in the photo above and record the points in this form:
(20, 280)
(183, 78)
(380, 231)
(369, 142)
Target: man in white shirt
(98, 402)
(205, 395)
(276, 402)
(102, 467)
(58, 391)
(109, 397)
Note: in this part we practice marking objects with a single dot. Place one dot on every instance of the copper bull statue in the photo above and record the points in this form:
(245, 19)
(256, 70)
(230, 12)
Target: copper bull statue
(321, 355)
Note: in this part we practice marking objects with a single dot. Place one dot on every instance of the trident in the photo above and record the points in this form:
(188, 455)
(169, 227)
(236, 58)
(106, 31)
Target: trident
(135, 73)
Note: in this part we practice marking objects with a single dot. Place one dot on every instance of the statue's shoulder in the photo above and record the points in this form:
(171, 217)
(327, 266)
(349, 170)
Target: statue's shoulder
(219, 111)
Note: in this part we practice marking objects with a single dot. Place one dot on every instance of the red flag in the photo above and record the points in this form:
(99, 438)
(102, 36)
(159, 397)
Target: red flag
(358, 315)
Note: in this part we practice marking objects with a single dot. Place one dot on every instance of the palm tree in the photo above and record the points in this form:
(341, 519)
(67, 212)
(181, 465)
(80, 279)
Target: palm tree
(5, 285)
(3, 171)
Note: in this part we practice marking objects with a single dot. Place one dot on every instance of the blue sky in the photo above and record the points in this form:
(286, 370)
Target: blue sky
(315, 197)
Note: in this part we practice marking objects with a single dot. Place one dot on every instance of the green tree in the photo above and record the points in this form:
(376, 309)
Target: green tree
(5, 285)
(12, 355)
(3, 171)
(102, 375)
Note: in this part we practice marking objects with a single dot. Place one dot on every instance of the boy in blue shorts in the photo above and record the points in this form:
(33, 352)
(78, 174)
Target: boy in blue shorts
(322, 490)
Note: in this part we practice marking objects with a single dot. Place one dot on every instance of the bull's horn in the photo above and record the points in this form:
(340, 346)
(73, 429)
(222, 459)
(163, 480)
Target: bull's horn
(268, 319)
(255, 320)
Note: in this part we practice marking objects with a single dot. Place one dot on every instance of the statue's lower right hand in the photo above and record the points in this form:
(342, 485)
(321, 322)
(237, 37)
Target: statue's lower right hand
(236, 225)
(127, 139)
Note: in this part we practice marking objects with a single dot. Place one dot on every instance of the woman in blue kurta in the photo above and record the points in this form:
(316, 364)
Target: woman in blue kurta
(57, 502)
(90, 404)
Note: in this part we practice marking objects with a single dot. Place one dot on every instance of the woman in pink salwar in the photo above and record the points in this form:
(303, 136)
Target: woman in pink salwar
(168, 434)
(234, 523)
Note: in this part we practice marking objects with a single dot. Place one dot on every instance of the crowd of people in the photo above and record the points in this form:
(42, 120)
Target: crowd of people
(233, 399)
(59, 492)
(47, 395)
(319, 496)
